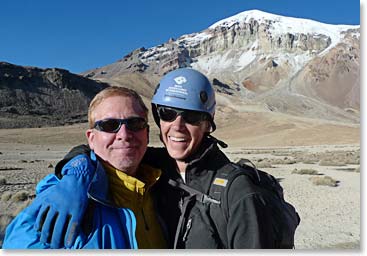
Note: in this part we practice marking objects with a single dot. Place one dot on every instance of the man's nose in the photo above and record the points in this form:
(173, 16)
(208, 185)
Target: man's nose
(123, 133)
(179, 121)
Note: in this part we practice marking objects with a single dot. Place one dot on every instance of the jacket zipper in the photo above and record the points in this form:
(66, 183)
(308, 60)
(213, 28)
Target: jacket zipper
(188, 227)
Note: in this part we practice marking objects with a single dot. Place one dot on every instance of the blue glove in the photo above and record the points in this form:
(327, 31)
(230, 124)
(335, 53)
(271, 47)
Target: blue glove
(62, 206)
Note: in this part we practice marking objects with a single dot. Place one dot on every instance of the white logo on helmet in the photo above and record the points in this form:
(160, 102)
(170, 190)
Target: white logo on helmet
(180, 80)
(177, 90)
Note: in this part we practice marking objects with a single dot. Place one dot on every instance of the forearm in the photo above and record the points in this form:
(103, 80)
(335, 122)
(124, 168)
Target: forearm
(21, 232)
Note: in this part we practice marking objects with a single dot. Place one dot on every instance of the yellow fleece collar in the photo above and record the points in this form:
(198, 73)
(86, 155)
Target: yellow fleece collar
(145, 178)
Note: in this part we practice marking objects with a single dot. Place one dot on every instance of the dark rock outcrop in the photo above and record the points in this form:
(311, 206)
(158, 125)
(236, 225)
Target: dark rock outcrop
(34, 97)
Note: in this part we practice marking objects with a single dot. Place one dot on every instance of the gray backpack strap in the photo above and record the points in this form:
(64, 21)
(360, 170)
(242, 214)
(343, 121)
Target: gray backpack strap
(225, 176)
(219, 191)
(219, 214)
(286, 215)
(222, 180)
(200, 196)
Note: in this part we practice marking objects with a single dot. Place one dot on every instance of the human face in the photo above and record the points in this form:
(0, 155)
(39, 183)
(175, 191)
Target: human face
(125, 149)
(182, 139)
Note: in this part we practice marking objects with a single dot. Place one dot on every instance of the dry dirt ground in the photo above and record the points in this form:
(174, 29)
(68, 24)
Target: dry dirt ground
(330, 214)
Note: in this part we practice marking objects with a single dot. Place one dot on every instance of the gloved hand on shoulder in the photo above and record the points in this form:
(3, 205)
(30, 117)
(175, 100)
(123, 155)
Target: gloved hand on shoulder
(62, 206)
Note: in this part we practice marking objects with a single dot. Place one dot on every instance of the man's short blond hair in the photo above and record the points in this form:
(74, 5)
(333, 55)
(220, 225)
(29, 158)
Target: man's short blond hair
(111, 92)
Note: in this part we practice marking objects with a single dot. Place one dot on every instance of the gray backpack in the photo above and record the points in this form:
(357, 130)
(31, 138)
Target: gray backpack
(287, 217)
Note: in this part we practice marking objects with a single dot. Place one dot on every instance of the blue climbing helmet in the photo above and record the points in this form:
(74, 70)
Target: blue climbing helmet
(185, 88)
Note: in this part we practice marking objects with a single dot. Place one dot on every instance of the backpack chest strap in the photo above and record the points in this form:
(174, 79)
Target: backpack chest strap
(200, 196)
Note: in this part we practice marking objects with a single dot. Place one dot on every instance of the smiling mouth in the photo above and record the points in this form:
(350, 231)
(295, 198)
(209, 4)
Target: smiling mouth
(127, 147)
(177, 139)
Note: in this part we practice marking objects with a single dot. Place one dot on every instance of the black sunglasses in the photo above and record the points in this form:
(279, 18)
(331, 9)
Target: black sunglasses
(113, 125)
(189, 116)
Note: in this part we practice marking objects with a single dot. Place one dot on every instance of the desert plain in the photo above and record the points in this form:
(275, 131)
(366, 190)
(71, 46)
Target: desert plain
(317, 163)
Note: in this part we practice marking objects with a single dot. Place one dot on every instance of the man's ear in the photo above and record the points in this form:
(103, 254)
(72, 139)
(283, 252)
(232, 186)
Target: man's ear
(208, 126)
(90, 137)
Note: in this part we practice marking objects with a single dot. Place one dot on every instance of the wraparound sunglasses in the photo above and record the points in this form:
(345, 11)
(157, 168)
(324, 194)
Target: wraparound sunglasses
(189, 116)
(113, 125)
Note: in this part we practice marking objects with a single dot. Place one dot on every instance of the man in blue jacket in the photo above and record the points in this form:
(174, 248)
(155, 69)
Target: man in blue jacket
(120, 202)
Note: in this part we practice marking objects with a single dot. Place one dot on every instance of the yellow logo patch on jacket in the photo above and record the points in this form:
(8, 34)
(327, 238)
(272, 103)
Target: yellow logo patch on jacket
(220, 182)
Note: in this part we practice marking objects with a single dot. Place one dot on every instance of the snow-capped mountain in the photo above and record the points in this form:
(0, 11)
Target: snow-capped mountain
(283, 64)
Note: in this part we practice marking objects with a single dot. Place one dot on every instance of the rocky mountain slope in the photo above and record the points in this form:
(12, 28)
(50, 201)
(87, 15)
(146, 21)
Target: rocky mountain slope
(34, 97)
(256, 59)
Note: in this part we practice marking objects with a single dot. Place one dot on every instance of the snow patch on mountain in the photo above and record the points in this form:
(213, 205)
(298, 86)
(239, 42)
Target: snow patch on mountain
(280, 25)
(244, 59)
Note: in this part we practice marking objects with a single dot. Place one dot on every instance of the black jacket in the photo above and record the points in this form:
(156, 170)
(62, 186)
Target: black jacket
(253, 222)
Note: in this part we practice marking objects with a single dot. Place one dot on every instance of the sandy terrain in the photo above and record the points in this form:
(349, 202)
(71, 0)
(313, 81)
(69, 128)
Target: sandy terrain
(330, 215)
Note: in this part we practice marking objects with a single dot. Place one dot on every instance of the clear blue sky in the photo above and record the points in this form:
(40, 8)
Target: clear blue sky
(83, 34)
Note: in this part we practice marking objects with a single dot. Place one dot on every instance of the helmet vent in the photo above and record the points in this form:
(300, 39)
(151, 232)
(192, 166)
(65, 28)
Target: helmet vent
(203, 96)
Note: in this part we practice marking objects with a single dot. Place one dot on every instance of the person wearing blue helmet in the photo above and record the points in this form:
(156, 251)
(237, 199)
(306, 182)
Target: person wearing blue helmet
(224, 206)
(207, 202)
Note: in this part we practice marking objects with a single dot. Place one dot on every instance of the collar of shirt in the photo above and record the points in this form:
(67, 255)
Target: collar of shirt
(118, 179)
